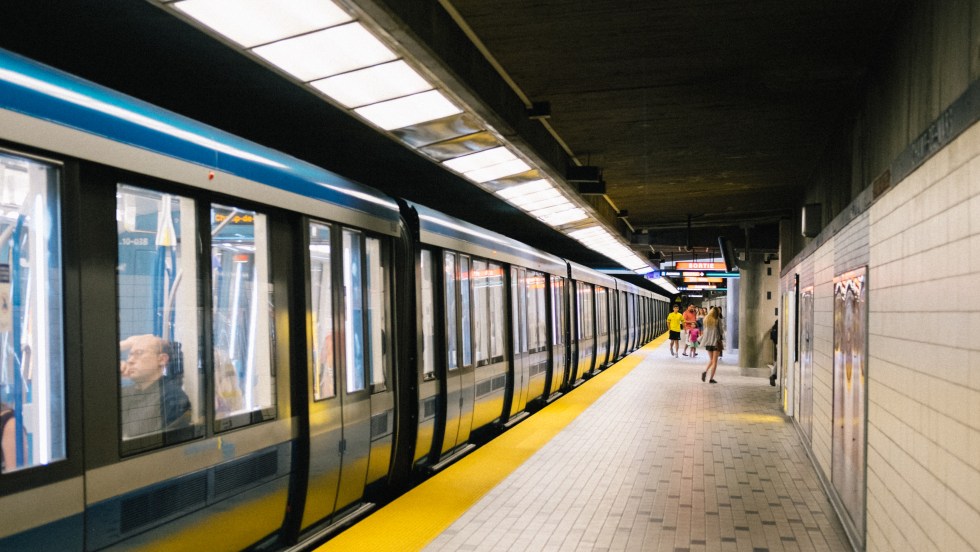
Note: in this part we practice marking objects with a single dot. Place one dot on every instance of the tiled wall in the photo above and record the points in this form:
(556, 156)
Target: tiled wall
(924, 343)
(921, 243)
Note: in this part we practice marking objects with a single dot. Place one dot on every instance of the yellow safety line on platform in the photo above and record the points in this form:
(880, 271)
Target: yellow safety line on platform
(420, 515)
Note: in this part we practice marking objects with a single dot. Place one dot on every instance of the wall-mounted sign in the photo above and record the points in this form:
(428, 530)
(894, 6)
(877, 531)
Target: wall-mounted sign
(700, 265)
(699, 279)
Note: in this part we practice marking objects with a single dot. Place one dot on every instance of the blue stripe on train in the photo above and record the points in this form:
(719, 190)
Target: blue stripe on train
(39, 91)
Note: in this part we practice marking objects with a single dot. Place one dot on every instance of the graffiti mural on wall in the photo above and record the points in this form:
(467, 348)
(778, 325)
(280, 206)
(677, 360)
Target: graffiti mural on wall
(850, 338)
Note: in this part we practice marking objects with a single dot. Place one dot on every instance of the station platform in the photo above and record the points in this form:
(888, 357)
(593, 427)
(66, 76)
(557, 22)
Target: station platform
(643, 456)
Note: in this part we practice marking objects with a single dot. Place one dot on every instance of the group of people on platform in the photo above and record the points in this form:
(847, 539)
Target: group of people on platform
(697, 326)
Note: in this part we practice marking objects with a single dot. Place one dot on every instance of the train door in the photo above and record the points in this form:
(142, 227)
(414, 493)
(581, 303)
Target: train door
(615, 328)
(559, 372)
(602, 327)
(459, 352)
(428, 355)
(519, 305)
(624, 326)
(325, 408)
(586, 329)
(537, 335)
(355, 390)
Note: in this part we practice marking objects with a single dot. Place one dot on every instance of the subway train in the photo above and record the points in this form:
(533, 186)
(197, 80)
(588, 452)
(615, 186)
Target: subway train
(266, 350)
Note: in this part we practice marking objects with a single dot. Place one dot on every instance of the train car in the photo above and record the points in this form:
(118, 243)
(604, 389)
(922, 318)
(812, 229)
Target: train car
(201, 330)
(592, 321)
(492, 332)
(208, 344)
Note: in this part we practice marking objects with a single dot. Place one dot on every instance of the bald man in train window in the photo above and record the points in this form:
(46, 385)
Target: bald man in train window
(152, 403)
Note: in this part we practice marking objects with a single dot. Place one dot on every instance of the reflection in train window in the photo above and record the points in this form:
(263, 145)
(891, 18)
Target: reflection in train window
(602, 305)
(531, 307)
(32, 409)
(464, 308)
(495, 282)
(158, 319)
(241, 298)
(557, 307)
(428, 317)
(321, 310)
(449, 266)
(537, 313)
(481, 318)
(354, 311)
(377, 296)
(585, 312)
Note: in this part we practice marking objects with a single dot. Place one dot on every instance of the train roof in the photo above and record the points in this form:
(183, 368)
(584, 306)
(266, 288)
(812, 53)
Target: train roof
(444, 231)
(586, 274)
(39, 91)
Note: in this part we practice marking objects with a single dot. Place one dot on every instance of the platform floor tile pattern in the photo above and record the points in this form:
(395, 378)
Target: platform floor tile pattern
(662, 462)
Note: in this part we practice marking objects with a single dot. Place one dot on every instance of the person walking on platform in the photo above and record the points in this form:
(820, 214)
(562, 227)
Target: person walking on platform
(674, 321)
(690, 321)
(713, 340)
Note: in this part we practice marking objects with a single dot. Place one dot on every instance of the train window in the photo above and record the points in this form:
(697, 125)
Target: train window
(495, 283)
(449, 265)
(602, 307)
(159, 401)
(244, 379)
(321, 309)
(542, 325)
(586, 315)
(32, 409)
(377, 296)
(557, 308)
(464, 310)
(531, 307)
(428, 317)
(519, 316)
(481, 313)
(538, 325)
(353, 311)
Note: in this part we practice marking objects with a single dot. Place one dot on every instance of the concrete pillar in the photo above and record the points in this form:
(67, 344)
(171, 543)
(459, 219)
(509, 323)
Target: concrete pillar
(754, 317)
(731, 314)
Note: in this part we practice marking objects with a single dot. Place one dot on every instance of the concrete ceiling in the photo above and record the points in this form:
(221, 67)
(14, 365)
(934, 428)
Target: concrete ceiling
(717, 110)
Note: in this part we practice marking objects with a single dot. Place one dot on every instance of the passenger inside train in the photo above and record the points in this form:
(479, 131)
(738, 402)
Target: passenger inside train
(152, 402)
(7, 442)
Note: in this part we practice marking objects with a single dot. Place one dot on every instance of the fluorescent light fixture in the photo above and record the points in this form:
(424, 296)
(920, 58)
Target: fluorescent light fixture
(328, 52)
(373, 85)
(254, 22)
(564, 217)
(488, 165)
(539, 200)
(666, 285)
(480, 160)
(528, 188)
(509, 168)
(565, 205)
(409, 110)
(599, 240)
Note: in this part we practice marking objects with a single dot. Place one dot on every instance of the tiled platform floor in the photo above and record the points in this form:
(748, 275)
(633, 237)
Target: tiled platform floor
(662, 462)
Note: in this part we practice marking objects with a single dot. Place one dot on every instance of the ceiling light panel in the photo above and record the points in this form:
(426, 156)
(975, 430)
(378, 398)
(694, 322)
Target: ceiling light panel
(525, 189)
(462, 145)
(326, 53)
(409, 110)
(373, 85)
(254, 22)
(498, 171)
(480, 160)
(564, 217)
(439, 130)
